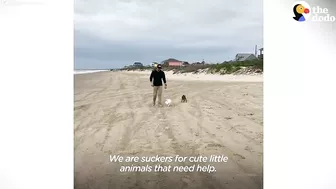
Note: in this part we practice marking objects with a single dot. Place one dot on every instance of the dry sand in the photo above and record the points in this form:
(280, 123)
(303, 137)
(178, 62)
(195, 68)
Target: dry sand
(206, 77)
(114, 115)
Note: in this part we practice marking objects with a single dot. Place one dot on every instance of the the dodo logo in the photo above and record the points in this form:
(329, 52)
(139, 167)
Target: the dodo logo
(302, 12)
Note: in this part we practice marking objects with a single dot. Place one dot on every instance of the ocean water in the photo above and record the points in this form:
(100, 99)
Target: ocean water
(87, 71)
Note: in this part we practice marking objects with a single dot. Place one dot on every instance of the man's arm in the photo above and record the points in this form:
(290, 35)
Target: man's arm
(151, 76)
(164, 78)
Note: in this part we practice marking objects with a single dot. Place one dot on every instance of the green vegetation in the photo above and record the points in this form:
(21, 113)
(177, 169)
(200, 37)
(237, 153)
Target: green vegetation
(232, 67)
(142, 68)
(256, 66)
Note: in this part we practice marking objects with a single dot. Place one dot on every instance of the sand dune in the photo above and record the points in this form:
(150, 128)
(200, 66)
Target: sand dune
(114, 115)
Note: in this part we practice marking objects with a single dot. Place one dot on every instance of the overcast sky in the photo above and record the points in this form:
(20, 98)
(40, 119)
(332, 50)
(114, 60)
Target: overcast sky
(115, 33)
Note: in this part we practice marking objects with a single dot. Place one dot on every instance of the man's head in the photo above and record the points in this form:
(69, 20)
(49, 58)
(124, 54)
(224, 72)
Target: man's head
(158, 67)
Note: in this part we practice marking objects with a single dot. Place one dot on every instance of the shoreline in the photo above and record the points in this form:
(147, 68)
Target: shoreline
(79, 72)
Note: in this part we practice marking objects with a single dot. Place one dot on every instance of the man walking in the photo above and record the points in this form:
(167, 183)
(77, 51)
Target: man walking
(156, 78)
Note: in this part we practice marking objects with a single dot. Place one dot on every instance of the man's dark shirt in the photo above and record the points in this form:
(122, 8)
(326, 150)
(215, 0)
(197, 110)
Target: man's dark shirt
(157, 76)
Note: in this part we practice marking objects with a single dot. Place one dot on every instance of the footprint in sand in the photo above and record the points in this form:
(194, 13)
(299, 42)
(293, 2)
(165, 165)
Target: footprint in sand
(239, 156)
(249, 149)
(159, 134)
(186, 179)
(214, 145)
(147, 146)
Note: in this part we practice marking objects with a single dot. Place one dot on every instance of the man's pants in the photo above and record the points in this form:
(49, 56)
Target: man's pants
(157, 91)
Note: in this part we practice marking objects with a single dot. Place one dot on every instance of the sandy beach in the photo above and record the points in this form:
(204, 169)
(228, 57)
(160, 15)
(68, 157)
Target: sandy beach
(113, 115)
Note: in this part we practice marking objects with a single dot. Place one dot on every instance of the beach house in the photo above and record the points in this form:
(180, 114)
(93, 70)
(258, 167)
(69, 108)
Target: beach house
(137, 64)
(245, 57)
(172, 62)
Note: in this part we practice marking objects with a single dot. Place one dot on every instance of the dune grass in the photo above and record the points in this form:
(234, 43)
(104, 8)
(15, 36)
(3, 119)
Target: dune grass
(222, 68)
(232, 67)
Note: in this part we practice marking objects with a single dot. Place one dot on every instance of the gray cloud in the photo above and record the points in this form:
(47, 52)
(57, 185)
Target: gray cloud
(119, 32)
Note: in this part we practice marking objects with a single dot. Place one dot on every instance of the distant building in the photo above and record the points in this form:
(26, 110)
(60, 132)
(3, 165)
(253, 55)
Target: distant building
(175, 64)
(185, 63)
(261, 55)
(137, 64)
(245, 57)
(172, 62)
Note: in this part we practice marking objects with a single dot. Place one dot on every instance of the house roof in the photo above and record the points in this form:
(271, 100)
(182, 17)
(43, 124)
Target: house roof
(243, 56)
(171, 60)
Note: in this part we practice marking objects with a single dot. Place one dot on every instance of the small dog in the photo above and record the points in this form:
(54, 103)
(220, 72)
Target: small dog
(168, 102)
(184, 99)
